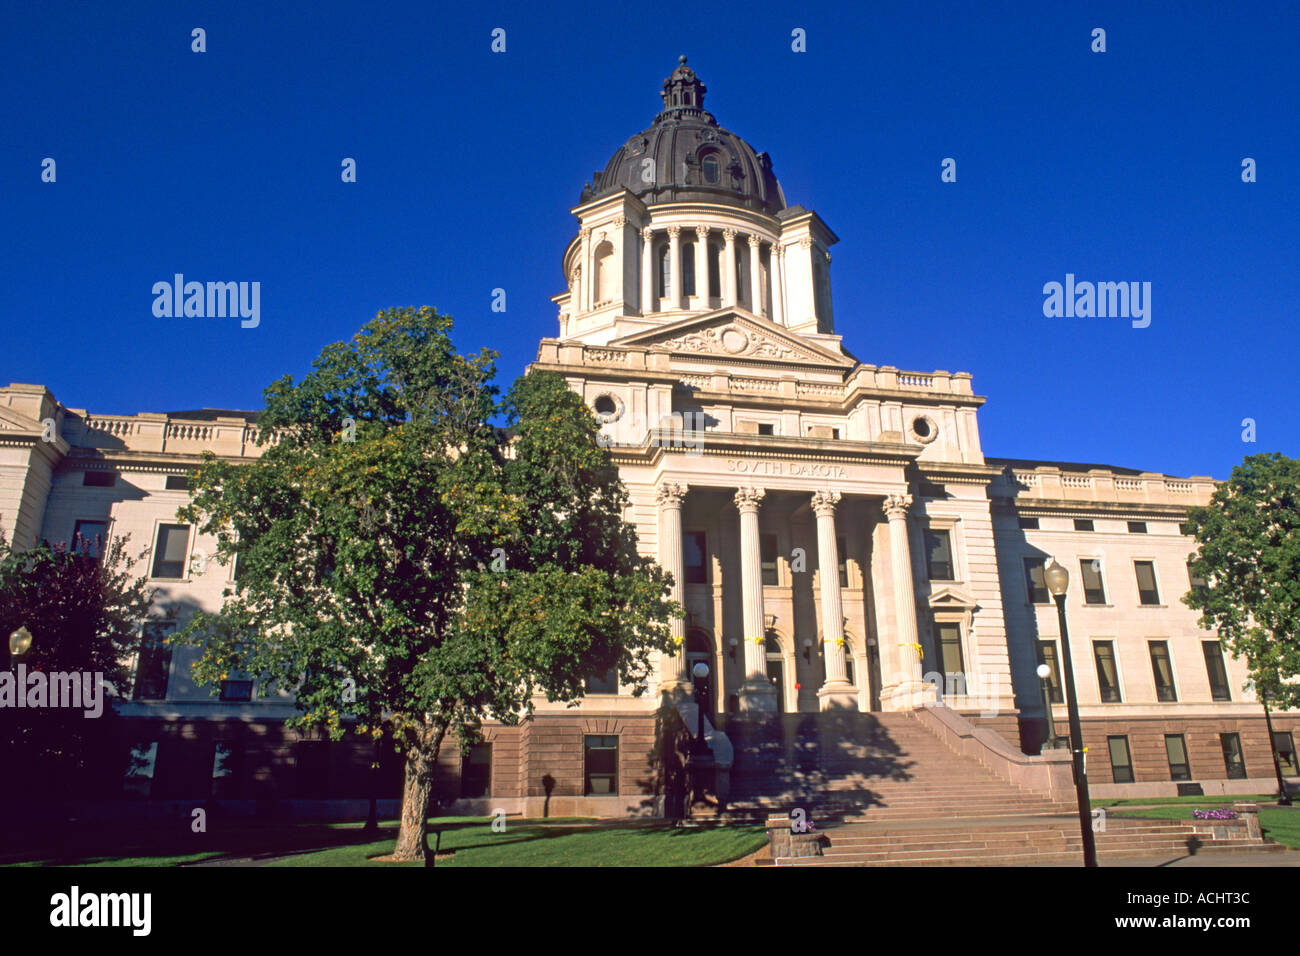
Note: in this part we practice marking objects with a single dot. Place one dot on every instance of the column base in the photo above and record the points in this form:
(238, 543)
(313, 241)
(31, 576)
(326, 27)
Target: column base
(757, 697)
(838, 695)
(908, 695)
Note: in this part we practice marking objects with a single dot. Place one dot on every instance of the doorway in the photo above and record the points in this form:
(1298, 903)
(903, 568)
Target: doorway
(776, 669)
(699, 649)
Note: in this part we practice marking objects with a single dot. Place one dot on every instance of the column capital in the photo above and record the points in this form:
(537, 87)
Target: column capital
(824, 502)
(896, 506)
(647, 233)
(584, 233)
(620, 221)
(671, 495)
(805, 243)
(674, 231)
(778, 251)
(748, 500)
(702, 232)
(754, 241)
(729, 235)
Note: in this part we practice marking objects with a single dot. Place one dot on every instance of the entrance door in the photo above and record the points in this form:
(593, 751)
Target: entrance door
(700, 650)
(776, 671)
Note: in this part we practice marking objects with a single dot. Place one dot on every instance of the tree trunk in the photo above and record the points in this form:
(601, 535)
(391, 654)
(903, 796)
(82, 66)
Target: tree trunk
(417, 788)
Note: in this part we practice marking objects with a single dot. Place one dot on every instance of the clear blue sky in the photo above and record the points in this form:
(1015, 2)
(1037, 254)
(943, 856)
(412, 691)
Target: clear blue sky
(225, 166)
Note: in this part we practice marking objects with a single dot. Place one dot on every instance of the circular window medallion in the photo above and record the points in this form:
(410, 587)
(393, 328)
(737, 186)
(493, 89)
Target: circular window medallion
(608, 408)
(924, 429)
(734, 340)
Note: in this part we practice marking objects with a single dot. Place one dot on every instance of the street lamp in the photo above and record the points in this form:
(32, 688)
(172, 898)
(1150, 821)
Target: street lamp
(1057, 580)
(1044, 672)
(701, 673)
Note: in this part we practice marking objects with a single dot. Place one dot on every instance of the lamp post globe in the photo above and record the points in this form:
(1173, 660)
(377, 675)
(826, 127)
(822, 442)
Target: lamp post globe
(1044, 672)
(20, 641)
(1056, 578)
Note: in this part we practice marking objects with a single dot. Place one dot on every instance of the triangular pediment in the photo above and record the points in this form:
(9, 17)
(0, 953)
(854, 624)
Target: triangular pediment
(954, 599)
(12, 421)
(735, 333)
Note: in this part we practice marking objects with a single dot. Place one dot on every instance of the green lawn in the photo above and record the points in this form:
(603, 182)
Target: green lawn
(554, 842)
(1262, 800)
(1278, 823)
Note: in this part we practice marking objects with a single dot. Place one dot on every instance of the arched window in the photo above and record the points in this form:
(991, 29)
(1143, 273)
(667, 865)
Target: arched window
(715, 269)
(848, 662)
(603, 273)
(709, 167)
(742, 295)
(665, 271)
(688, 268)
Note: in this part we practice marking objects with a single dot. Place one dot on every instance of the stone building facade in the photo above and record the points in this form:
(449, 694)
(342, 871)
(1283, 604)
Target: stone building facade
(837, 536)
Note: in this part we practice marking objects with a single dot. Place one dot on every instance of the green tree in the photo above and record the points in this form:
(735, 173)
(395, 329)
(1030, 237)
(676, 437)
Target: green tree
(404, 563)
(1248, 553)
(84, 609)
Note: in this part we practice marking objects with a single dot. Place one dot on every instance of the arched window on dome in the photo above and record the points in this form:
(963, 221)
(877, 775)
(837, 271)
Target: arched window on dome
(688, 268)
(710, 169)
(603, 273)
(665, 271)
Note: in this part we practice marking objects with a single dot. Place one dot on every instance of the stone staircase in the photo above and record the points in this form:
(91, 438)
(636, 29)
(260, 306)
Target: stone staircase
(884, 790)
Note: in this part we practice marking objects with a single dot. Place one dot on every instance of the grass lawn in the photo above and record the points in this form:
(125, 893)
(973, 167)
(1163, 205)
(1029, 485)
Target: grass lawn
(1278, 823)
(548, 843)
(1201, 801)
(553, 842)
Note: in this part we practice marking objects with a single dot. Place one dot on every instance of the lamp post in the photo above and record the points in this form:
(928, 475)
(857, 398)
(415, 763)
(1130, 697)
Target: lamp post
(700, 748)
(1057, 580)
(1044, 672)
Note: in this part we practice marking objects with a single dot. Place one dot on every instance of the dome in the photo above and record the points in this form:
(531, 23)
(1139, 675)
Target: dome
(691, 157)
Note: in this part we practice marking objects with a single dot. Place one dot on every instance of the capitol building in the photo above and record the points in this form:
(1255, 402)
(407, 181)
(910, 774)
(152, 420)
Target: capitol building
(848, 556)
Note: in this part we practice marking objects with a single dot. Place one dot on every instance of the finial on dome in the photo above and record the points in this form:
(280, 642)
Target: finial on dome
(683, 93)
(682, 59)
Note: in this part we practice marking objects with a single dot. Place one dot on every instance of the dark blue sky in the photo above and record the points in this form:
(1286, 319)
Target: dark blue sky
(225, 166)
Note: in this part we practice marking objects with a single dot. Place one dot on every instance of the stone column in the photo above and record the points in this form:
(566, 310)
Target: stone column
(778, 263)
(648, 303)
(756, 693)
(675, 267)
(702, 266)
(905, 685)
(729, 267)
(670, 497)
(755, 276)
(837, 692)
(575, 297)
(585, 265)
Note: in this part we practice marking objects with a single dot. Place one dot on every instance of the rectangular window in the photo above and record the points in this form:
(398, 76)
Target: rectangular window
(1214, 668)
(600, 764)
(225, 771)
(1028, 524)
(1107, 675)
(1176, 751)
(695, 557)
(1083, 524)
(1035, 582)
(767, 546)
(949, 647)
(1146, 578)
(1093, 591)
(938, 555)
(1121, 763)
(177, 483)
(138, 777)
(1137, 527)
(98, 479)
(843, 553)
(766, 429)
(835, 433)
(1163, 670)
(236, 690)
(89, 537)
(1185, 527)
(1284, 746)
(154, 662)
(1047, 655)
(606, 683)
(169, 550)
(476, 771)
(1194, 580)
(1232, 759)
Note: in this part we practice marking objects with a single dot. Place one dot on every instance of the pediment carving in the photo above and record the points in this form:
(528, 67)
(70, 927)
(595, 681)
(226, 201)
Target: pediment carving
(735, 335)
